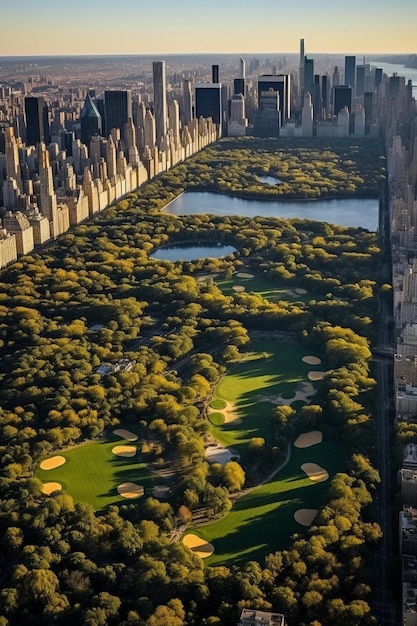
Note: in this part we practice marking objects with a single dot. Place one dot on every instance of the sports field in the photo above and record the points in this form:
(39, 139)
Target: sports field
(263, 520)
(92, 472)
(246, 281)
(273, 369)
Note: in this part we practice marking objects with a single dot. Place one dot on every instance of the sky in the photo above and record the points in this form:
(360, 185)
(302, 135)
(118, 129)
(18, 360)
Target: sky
(91, 27)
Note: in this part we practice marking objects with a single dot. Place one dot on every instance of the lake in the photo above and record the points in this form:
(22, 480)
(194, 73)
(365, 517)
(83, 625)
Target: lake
(351, 212)
(191, 252)
(269, 180)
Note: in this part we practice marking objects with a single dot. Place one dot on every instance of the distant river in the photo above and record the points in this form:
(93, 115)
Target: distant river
(409, 73)
(352, 212)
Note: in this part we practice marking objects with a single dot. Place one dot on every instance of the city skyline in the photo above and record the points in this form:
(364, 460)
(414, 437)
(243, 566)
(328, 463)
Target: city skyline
(186, 27)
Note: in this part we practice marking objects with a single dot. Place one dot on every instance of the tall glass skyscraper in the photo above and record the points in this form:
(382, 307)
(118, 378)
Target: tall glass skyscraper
(118, 110)
(159, 99)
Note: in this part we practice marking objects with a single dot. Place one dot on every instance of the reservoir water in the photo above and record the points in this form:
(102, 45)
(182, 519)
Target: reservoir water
(191, 252)
(348, 212)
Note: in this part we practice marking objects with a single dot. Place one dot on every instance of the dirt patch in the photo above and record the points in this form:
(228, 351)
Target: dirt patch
(216, 453)
(315, 472)
(305, 517)
(300, 291)
(306, 440)
(49, 488)
(130, 490)
(244, 275)
(313, 376)
(52, 463)
(311, 360)
(126, 451)
(238, 288)
(125, 434)
(199, 546)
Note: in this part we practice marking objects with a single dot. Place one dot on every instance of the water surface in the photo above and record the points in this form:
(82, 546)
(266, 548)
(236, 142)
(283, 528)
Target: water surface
(351, 212)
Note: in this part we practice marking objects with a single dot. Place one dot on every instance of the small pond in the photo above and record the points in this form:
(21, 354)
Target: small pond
(269, 180)
(191, 252)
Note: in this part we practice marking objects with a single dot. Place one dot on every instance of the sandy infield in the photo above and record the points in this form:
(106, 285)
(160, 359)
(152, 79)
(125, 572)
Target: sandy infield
(52, 463)
(305, 517)
(244, 275)
(300, 291)
(49, 488)
(124, 450)
(311, 360)
(130, 490)
(125, 434)
(306, 440)
(199, 546)
(315, 472)
(316, 376)
(229, 412)
(238, 288)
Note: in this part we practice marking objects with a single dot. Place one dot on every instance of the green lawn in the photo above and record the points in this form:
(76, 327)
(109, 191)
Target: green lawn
(262, 286)
(271, 369)
(263, 520)
(92, 472)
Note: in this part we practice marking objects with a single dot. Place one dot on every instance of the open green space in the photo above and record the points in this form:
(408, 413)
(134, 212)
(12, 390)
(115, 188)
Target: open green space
(262, 286)
(263, 520)
(272, 368)
(92, 473)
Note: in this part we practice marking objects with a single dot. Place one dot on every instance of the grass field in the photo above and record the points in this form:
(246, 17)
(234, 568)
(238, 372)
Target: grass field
(92, 472)
(262, 286)
(271, 369)
(263, 520)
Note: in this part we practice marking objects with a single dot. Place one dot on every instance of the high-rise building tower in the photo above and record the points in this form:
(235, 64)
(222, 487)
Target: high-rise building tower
(37, 121)
(208, 101)
(350, 71)
(308, 75)
(279, 83)
(118, 110)
(360, 80)
(239, 83)
(215, 74)
(159, 99)
(301, 70)
(187, 102)
(90, 120)
(12, 158)
(48, 201)
(149, 130)
(342, 97)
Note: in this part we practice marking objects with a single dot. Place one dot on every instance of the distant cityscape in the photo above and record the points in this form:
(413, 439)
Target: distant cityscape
(79, 133)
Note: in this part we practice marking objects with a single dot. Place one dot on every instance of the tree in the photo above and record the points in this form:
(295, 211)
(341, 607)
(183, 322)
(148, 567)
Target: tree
(233, 476)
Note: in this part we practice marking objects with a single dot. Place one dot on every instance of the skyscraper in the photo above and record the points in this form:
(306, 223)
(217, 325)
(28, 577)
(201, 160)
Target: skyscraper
(342, 97)
(350, 71)
(159, 100)
(360, 80)
(187, 102)
(208, 101)
(301, 71)
(279, 83)
(308, 74)
(90, 120)
(37, 121)
(118, 110)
